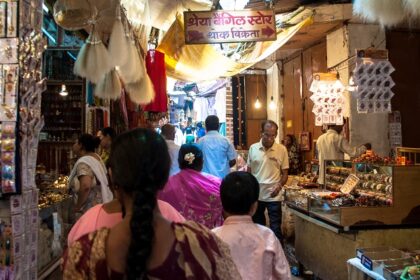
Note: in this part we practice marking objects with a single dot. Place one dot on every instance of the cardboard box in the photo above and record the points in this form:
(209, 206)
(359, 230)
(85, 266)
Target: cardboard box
(375, 260)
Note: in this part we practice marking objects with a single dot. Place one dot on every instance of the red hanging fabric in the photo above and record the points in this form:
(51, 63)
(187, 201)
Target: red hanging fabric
(155, 64)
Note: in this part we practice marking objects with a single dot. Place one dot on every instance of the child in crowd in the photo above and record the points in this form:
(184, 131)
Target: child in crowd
(255, 249)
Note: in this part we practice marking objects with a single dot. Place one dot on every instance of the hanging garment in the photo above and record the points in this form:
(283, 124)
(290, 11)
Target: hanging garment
(201, 107)
(155, 64)
(123, 108)
(211, 100)
(220, 104)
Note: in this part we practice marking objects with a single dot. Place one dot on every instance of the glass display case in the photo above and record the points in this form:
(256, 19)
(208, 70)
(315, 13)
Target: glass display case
(297, 197)
(54, 206)
(359, 194)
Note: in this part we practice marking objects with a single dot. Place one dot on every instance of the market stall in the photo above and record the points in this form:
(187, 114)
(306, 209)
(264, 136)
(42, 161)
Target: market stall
(364, 204)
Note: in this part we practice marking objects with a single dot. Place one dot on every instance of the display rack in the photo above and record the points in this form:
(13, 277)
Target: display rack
(21, 87)
(384, 195)
(64, 123)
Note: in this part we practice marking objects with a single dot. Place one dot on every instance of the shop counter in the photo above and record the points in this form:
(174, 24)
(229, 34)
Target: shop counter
(324, 248)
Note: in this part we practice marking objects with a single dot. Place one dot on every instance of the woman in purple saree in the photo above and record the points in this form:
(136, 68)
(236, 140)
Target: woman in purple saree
(193, 193)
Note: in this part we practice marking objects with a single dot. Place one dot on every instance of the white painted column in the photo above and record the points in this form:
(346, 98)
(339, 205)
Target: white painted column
(274, 90)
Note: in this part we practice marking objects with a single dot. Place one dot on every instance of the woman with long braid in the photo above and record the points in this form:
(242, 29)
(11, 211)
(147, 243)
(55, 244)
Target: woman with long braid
(144, 245)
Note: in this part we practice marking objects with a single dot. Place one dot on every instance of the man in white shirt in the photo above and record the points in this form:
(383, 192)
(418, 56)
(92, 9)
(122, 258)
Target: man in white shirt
(332, 145)
(168, 132)
(239, 193)
(268, 161)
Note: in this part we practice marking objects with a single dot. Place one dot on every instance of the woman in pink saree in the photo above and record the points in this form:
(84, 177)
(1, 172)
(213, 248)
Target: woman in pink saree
(194, 194)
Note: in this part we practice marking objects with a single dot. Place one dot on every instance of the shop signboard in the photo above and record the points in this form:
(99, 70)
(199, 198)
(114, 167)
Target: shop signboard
(220, 26)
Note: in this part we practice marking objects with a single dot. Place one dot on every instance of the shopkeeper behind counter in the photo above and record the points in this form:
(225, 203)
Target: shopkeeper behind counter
(332, 146)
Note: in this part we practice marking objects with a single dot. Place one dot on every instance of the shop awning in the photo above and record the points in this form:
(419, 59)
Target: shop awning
(205, 62)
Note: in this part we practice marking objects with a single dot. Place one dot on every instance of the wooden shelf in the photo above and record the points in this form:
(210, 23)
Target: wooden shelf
(75, 82)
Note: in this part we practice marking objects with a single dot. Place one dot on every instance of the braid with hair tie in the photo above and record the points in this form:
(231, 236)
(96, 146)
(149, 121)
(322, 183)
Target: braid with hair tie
(142, 233)
(148, 172)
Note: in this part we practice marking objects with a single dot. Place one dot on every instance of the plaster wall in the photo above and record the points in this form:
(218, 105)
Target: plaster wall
(341, 44)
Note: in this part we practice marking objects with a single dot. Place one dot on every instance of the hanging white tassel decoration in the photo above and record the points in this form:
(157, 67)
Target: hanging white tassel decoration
(365, 9)
(134, 69)
(387, 12)
(412, 7)
(142, 91)
(93, 59)
(109, 87)
(118, 45)
(80, 64)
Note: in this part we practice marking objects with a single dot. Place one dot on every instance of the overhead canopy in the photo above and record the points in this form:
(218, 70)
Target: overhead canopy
(205, 62)
(159, 13)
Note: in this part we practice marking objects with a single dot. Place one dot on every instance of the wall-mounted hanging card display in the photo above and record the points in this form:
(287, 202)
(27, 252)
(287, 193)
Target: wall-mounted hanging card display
(373, 82)
(25, 13)
(328, 99)
(36, 15)
(16, 204)
(8, 97)
(9, 50)
(3, 7)
(18, 224)
(7, 158)
(12, 14)
(18, 246)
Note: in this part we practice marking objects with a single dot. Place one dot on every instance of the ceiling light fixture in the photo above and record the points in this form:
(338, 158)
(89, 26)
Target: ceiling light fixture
(257, 103)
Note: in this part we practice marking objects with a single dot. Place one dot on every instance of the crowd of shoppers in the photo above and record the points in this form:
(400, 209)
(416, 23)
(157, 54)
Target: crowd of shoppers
(160, 201)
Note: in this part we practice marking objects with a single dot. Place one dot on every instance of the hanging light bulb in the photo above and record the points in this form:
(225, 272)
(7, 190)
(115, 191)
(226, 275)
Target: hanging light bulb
(63, 91)
(257, 103)
(272, 104)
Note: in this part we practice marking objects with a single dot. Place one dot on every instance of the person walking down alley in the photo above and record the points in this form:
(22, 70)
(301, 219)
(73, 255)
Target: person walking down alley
(268, 161)
(219, 153)
(145, 245)
(239, 194)
(106, 135)
(194, 194)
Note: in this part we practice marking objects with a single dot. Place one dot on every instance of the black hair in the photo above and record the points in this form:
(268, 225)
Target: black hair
(238, 191)
(292, 139)
(89, 142)
(166, 130)
(109, 131)
(140, 164)
(270, 122)
(199, 124)
(196, 162)
(212, 123)
(188, 130)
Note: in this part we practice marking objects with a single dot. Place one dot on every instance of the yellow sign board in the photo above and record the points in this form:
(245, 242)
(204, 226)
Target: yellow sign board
(219, 26)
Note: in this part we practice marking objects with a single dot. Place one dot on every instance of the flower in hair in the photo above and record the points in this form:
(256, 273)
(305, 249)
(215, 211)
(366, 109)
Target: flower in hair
(190, 157)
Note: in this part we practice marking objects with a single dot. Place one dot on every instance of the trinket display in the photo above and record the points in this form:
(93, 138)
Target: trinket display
(328, 99)
(373, 82)
(12, 15)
